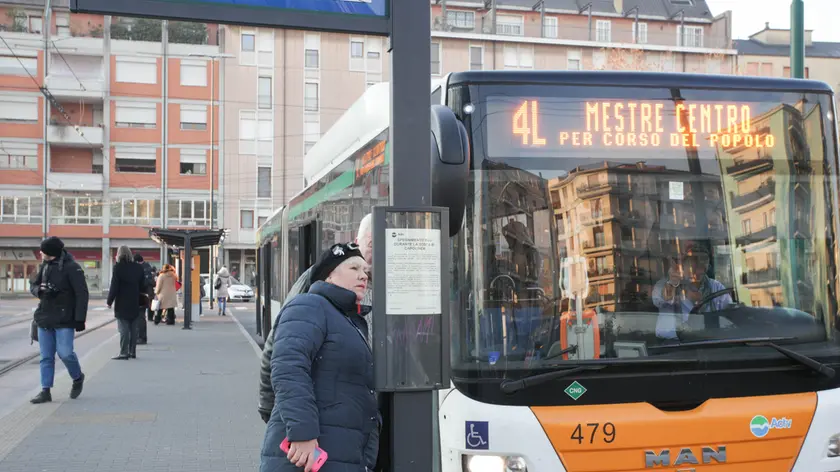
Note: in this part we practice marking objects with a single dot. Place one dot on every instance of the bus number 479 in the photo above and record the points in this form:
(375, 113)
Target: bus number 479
(607, 430)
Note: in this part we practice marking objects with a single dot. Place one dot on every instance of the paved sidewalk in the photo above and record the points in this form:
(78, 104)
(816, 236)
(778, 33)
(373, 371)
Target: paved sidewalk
(187, 403)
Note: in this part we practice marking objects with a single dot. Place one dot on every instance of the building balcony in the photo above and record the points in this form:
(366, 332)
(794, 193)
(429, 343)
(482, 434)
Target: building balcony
(768, 233)
(70, 136)
(67, 87)
(74, 181)
(762, 276)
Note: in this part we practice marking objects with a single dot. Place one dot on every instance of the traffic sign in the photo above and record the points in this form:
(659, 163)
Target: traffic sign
(341, 16)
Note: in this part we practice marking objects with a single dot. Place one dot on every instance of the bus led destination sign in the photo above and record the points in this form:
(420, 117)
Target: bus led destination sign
(631, 123)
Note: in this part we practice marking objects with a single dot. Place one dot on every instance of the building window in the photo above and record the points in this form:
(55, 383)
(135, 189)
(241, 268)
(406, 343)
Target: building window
(357, 48)
(690, 36)
(436, 69)
(261, 221)
(22, 66)
(786, 72)
(36, 24)
(573, 60)
(550, 29)
(510, 25)
(263, 182)
(21, 210)
(137, 70)
(310, 96)
(476, 58)
(62, 25)
(460, 19)
(193, 117)
(248, 42)
(135, 160)
(135, 115)
(519, 56)
(188, 213)
(75, 209)
(19, 109)
(642, 37)
(265, 96)
(246, 219)
(134, 211)
(312, 47)
(247, 132)
(603, 31)
(193, 162)
(193, 73)
(18, 156)
(307, 146)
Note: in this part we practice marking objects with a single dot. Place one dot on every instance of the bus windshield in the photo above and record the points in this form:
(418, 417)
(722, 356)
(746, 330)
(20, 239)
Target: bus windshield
(609, 224)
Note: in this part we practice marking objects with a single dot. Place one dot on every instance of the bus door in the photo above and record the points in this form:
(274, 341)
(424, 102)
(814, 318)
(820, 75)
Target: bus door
(265, 286)
(310, 239)
(258, 293)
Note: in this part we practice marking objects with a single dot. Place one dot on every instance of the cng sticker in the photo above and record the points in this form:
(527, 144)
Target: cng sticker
(759, 425)
(575, 390)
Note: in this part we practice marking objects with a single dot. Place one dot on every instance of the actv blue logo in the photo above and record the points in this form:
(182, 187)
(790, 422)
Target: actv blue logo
(759, 425)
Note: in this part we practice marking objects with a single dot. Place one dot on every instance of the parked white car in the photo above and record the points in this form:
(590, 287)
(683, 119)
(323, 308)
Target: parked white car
(238, 291)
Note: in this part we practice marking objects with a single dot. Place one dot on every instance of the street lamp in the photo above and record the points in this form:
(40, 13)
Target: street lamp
(212, 58)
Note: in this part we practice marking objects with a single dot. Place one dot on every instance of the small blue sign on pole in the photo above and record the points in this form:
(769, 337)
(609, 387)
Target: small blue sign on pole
(477, 435)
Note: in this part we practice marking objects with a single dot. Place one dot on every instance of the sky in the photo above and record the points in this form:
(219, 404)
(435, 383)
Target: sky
(749, 16)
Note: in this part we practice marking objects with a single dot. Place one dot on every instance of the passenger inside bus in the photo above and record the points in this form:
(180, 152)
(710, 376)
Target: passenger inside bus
(686, 285)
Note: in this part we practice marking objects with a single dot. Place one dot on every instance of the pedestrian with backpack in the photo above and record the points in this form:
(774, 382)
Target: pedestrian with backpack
(222, 285)
(149, 285)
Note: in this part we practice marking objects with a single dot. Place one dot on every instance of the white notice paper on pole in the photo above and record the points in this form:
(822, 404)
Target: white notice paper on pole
(412, 271)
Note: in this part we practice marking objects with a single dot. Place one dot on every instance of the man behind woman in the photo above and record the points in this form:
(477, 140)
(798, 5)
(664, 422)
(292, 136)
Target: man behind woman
(322, 372)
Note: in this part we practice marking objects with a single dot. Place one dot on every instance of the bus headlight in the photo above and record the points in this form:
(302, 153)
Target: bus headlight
(494, 464)
(834, 446)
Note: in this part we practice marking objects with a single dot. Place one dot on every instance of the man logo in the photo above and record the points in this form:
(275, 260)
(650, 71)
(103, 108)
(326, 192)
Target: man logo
(685, 457)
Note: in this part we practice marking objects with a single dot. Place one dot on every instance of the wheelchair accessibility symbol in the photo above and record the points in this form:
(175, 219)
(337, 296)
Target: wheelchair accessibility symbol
(477, 436)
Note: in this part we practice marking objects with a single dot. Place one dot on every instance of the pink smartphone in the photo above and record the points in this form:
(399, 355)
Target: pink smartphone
(320, 455)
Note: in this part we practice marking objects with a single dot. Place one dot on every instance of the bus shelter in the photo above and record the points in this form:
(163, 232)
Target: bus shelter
(187, 242)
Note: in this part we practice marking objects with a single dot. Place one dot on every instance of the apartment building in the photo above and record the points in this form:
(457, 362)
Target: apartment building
(767, 53)
(283, 89)
(120, 140)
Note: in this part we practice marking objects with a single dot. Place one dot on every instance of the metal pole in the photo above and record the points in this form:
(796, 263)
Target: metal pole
(210, 254)
(46, 153)
(797, 39)
(187, 282)
(412, 421)
(590, 22)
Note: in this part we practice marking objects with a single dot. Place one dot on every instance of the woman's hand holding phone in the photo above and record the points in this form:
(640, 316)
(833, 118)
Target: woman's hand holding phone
(302, 453)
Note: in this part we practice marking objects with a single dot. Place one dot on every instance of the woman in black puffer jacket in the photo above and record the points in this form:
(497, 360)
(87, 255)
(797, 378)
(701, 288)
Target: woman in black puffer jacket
(322, 373)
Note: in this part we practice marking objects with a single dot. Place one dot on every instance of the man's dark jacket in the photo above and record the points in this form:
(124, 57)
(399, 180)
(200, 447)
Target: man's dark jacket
(64, 302)
(127, 283)
(149, 273)
(266, 390)
(322, 373)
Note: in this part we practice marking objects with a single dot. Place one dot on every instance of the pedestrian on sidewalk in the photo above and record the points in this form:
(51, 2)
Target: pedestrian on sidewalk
(127, 295)
(166, 293)
(365, 242)
(222, 285)
(149, 290)
(62, 310)
(321, 354)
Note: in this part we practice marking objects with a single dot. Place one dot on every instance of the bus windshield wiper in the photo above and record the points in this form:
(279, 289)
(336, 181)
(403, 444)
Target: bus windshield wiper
(512, 386)
(770, 342)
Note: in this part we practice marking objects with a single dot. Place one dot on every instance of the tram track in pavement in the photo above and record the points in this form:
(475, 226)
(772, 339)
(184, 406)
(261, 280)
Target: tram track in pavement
(14, 364)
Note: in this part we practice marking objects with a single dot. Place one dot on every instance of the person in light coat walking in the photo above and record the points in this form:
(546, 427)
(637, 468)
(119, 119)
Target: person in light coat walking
(222, 287)
(166, 293)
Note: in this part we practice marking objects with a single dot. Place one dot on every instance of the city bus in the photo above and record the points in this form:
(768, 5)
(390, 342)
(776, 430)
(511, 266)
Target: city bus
(644, 276)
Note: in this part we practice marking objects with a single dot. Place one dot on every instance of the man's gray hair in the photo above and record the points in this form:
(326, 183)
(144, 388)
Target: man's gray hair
(366, 226)
(124, 254)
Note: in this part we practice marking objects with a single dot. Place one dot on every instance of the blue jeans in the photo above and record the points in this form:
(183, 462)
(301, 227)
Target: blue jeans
(222, 304)
(52, 341)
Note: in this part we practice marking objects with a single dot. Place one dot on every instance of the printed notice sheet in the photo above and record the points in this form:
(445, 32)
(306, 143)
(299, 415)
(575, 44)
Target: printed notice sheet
(413, 271)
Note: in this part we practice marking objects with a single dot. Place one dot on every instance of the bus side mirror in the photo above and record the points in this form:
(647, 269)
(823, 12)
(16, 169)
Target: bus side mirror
(450, 163)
